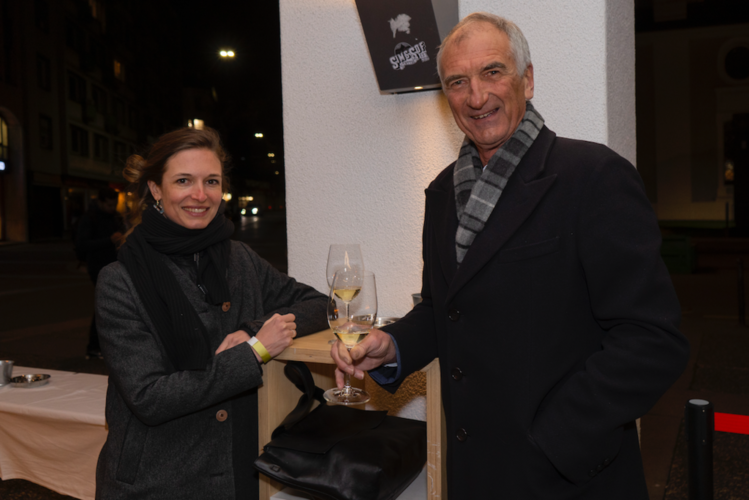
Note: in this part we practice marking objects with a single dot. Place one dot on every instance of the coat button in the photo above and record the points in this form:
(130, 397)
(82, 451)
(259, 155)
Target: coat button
(592, 473)
(606, 461)
(453, 315)
(221, 415)
(462, 435)
(457, 373)
(225, 306)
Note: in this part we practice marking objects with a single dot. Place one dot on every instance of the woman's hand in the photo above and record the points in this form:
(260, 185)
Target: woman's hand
(277, 333)
(232, 340)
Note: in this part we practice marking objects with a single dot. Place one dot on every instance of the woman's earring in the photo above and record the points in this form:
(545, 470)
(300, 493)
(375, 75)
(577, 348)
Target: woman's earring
(158, 206)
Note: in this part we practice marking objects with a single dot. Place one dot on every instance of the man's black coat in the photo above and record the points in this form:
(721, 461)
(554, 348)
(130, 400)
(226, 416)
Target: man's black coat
(557, 331)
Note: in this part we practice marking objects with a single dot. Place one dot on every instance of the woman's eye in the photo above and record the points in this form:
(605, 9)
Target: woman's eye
(181, 181)
(214, 182)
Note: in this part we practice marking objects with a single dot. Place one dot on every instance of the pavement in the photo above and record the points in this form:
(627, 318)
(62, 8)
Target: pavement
(46, 304)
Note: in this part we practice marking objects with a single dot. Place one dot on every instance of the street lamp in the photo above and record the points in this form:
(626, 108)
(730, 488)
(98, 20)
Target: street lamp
(258, 135)
(226, 53)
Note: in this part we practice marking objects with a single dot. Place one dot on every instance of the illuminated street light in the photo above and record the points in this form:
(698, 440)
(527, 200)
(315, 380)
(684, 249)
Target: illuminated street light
(226, 53)
(227, 197)
(271, 155)
(258, 135)
(276, 172)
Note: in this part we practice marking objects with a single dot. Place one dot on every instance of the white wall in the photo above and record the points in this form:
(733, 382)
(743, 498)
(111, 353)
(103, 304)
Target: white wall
(357, 162)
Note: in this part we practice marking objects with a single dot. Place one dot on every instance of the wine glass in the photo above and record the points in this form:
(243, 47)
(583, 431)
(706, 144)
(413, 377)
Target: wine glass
(357, 293)
(343, 257)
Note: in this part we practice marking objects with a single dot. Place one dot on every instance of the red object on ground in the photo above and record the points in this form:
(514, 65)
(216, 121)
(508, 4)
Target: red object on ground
(726, 422)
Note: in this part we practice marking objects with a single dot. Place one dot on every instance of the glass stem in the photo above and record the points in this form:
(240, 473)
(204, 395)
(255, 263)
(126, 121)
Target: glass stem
(346, 392)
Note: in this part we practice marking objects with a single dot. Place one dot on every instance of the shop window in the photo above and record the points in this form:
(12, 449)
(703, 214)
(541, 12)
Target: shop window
(45, 132)
(79, 141)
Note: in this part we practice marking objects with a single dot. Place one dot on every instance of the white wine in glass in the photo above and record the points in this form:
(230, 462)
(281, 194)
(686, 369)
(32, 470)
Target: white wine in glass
(353, 326)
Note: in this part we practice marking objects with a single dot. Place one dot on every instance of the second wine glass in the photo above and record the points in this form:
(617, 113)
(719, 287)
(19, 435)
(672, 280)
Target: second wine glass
(352, 311)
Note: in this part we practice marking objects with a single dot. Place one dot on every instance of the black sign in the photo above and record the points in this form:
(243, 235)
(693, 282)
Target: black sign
(403, 39)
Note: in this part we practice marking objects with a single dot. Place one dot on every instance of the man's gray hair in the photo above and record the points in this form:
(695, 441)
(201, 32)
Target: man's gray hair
(518, 44)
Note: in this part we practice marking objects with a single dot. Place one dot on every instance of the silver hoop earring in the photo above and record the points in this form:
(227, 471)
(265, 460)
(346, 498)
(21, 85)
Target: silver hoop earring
(158, 206)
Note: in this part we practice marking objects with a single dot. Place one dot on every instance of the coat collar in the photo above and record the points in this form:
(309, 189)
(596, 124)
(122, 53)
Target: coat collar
(523, 192)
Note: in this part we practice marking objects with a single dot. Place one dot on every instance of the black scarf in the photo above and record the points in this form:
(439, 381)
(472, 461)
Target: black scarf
(177, 323)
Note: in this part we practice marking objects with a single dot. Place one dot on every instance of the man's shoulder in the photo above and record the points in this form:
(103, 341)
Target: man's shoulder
(577, 150)
(443, 179)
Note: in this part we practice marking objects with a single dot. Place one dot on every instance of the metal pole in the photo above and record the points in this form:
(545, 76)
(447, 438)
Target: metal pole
(742, 301)
(700, 428)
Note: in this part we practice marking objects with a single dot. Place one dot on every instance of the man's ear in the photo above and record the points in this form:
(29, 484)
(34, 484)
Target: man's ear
(528, 82)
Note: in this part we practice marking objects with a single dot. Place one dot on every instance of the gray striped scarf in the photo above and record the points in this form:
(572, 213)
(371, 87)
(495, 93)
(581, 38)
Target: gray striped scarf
(477, 192)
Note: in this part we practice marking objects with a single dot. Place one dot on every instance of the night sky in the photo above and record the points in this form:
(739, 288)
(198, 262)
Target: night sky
(248, 86)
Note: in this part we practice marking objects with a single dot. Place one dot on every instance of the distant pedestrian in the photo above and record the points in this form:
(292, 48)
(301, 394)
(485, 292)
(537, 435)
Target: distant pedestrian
(99, 233)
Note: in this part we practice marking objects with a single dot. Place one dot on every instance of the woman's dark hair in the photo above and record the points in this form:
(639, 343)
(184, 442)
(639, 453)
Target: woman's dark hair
(139, 170)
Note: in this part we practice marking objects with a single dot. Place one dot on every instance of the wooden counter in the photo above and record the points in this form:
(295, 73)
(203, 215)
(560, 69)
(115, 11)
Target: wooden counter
(278, 396)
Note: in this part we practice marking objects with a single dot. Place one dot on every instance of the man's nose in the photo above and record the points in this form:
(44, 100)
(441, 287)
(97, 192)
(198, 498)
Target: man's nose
(479, 94)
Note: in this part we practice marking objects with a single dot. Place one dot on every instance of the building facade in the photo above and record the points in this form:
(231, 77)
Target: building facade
(83, 84)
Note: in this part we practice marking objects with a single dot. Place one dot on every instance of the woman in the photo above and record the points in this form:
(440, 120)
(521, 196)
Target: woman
(175, 315)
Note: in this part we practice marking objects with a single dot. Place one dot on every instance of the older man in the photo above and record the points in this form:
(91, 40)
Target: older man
(545, 297)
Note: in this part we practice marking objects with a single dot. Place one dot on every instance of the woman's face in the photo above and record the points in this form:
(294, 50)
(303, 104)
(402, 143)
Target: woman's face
(190, 189)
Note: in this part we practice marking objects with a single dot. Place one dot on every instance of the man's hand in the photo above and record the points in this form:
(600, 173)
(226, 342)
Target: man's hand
(374, 351)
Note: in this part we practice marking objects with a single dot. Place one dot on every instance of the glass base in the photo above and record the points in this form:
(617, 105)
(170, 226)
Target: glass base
(353, 396)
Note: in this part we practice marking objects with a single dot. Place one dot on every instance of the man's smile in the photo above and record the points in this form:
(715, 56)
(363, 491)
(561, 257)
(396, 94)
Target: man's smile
(485, 115)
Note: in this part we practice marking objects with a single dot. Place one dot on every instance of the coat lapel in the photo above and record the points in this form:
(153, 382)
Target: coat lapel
(523, 192)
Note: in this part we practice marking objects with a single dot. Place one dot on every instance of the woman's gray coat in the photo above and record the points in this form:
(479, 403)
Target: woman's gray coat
(189, 434)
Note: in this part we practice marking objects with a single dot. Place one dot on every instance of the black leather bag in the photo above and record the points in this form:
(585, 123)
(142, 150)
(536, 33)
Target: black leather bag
(340, 453)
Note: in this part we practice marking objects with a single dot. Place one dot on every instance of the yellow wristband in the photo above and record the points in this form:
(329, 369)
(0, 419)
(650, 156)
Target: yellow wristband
(260, 349)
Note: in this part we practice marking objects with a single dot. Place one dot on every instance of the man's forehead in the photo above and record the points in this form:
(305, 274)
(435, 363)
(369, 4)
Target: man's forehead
(492, 41)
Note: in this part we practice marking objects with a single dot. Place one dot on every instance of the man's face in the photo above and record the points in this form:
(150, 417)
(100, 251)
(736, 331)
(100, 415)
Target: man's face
(486, 95)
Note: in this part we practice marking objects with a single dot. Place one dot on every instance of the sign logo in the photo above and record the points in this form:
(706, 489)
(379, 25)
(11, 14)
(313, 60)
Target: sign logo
(402, 23)
(406, 55)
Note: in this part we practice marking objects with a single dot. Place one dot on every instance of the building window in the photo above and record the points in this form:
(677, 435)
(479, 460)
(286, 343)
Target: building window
(3, 144)
(78, 140)
(74, 37)
(119, 70)
(133, 117)
(118, 109)
(101, 147)
(45, 132)
(43, 72)
(99, 96)
(41, 15)
(120, 153)
(76, 88)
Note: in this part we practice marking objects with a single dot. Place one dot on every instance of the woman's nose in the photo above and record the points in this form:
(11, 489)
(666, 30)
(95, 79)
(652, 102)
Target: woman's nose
(198, 193)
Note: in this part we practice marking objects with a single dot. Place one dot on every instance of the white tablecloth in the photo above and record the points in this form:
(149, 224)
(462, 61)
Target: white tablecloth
(52, 435)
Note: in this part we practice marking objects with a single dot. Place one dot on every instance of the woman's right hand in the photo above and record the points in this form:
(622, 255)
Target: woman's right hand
(277, 333)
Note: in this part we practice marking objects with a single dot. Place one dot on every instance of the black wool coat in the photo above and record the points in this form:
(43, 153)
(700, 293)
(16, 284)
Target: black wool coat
(557, 331)
(189, 434)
